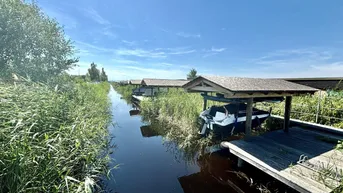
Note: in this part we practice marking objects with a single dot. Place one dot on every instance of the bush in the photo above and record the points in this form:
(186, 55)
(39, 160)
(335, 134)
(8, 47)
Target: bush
(53, 140)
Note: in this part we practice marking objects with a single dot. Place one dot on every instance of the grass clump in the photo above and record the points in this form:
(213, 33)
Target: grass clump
(53, 139)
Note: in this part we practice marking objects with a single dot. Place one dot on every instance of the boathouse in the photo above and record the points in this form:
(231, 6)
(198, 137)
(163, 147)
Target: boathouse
(136, 83)
(155, 85)
(303, 158)
(322, 83)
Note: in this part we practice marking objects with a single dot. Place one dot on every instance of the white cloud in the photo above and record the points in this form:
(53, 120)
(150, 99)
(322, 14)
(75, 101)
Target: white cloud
(129, 43)
(92, 48)
(213, 51)
(95, 16)
(182, 52)
(123, 61)
(156, 53)
(109, 34)
(188, 35)
(80, 69)
(217, 49)
(140, 53)
(141, 72)
(309, 62)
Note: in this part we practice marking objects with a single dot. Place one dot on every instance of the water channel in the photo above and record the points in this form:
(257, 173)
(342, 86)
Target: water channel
(149, 163)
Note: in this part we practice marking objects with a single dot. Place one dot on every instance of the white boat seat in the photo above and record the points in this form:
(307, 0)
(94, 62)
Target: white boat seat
(219, 116)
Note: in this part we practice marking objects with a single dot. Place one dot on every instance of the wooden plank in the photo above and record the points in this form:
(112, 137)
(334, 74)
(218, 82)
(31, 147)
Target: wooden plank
(274, 161)
(287, 115)
(289, 155)
(264, 167)
(314, 125)
(318, 133)
(329, 159)
(303, 139)
(308, 148)
(305, 177)
(248, 117)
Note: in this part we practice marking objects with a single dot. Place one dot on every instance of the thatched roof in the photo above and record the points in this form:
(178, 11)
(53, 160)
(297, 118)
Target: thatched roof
(164, 82)
(250, 86)
(135, 82)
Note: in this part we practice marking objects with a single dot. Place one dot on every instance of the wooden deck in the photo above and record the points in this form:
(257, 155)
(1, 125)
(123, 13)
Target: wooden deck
(277, 153)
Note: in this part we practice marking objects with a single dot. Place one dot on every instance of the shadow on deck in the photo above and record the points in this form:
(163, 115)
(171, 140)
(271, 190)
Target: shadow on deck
(279, 154)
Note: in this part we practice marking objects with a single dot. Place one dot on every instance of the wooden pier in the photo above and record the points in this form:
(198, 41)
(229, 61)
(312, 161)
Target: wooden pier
(282, 155)
(305, 160)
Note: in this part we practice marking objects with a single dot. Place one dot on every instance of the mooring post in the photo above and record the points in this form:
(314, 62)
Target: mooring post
(205, 101)
(248, 117)
(318, 106)
(287, 115)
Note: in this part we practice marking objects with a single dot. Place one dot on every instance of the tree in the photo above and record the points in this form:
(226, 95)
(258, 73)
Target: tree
(94, 73)
(32, 44)
(103, 76)
(192, 74)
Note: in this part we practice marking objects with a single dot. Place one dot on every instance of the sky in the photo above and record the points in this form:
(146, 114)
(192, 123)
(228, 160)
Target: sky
(165, 39)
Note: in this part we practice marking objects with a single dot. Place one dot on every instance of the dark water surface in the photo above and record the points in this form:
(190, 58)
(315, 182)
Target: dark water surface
(149, 164)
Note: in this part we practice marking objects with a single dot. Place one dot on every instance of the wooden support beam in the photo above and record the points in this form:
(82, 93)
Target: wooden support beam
(205, 101)
(287, 115)
(249, 117)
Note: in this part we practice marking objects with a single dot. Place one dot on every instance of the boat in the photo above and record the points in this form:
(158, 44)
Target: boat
(229, 119)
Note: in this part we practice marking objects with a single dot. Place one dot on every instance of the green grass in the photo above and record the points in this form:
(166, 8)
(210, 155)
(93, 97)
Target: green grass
(125, 91)
(178, 114)
(305, 108)
(53, 139)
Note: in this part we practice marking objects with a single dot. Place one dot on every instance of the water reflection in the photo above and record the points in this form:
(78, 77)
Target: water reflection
(158, 157)
(148, 131)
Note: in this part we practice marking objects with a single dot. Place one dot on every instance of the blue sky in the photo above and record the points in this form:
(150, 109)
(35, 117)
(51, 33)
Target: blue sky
(165, 39)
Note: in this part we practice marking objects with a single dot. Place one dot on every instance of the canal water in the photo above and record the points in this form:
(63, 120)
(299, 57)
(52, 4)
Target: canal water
(148, 163)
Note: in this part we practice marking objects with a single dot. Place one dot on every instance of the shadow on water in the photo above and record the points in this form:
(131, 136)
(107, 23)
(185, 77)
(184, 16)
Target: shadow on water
(152, 160)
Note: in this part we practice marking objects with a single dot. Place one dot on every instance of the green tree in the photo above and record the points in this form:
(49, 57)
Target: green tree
(103, 76)
(32, 44)
(94, 73)
(192, 74)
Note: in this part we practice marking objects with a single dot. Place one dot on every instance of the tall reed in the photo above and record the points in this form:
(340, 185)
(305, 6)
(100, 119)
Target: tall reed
(124, 90)
(53, 139)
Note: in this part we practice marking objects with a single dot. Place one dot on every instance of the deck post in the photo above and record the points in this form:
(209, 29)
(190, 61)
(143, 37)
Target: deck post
(205, 101)
(287, 115)
(248, 117)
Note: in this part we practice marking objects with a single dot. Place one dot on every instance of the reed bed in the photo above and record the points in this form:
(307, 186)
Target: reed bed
(124, 90)
(305, 108)
(53, 139)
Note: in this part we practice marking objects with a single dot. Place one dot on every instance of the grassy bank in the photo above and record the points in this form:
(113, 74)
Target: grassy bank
(125, 91)
(305, 108)
(53, 139)
(180, 111)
